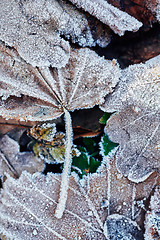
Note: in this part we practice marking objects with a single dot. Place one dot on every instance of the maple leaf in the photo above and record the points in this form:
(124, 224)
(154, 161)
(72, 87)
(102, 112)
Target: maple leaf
(45, 93)
(116, 19)
(152, 222)
(35, 28)
(13, 162)
(135, 125)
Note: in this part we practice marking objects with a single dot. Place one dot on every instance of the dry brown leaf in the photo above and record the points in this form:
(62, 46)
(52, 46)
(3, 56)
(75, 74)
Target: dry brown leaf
(13, 162)
(136, 124)
(145, 11)
(35, 30)
(152, 222)
(28, 205)
(116, 19)
(40, 94)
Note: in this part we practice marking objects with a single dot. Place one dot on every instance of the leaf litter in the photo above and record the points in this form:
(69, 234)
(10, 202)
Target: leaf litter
(135, 125)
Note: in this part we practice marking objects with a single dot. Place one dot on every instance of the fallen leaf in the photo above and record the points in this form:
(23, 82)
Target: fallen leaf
(40, 94)
(145, 11)
(135, 125)
(45, 93)
(28, 204)
(35, 30)
(152, 222)
(13, 162)
(118, 194)
(116, 19)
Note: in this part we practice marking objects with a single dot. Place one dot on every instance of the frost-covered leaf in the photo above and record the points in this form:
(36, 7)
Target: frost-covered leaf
(34, 29)
(118, 227)
(41, 93)
(116, 19)
(145, 11)
(48, 144)
(152, 222)
(29, 203)
(13, 161)
(28, 206)
(136, 124)
(138, 86)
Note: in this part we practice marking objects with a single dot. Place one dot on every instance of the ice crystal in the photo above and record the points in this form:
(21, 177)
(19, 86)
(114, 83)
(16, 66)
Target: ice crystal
(135, 126)
(35, 29)
(13, 161)
(42, 93)
(116, 19)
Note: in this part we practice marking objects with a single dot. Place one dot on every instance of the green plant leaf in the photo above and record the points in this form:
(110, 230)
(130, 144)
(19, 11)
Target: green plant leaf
(104, 118)
(107, 144)
(85, 163)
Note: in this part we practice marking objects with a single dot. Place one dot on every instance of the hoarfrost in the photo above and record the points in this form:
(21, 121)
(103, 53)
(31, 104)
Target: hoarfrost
(116, 19)
(138, 86)
(13, 162)
(29, 203)
(152, 222)
(118, 227)
(135, 126)
(27, 198)
(83, 83)
(34, 29)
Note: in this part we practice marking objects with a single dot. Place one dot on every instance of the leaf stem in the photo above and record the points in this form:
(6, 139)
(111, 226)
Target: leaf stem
(67, 166)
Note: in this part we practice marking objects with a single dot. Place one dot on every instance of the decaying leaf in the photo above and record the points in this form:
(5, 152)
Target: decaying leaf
(116, 19)
(49, 144)
(40, 94)
(152, 222)
(46, 93)
(136, 124)
(138, 86)
(13, 161)
(35, 28)
(121, 196)
(28, 205)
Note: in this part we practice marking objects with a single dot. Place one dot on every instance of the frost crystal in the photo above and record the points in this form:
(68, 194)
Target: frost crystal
(13, 161)
(117, 20)
(152, 222)
(34, 29)
(135, 125)
(41, 93)
(119, 227)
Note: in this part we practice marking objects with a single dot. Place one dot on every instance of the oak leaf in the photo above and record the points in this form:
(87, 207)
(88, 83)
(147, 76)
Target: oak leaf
(135, 125)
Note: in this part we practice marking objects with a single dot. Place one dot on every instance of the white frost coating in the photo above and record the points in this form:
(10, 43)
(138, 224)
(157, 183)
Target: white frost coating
(67, 166)
(158, 10)
(152, 221)
(24, 213)
(138, 86)
(133, 201)
(116, 19)
(139, 179)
